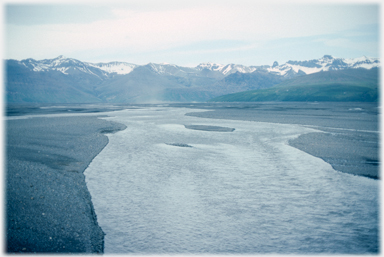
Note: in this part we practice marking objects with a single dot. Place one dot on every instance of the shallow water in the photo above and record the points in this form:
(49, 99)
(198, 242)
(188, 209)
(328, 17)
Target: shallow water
(161, 187)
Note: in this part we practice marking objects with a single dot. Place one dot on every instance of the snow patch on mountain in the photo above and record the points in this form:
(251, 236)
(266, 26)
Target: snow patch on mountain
(210, 66)
(115, 67)
(161, 68)
(226, 69)
(232, 68)
(63, 70)
(170, 69)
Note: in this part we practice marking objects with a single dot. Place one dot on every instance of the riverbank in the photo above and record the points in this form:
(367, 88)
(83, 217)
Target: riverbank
(48, 205)
(344, 151)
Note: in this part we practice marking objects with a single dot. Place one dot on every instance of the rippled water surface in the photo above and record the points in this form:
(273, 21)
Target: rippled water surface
(171, 183)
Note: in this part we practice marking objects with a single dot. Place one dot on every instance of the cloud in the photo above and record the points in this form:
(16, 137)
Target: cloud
(137, 29)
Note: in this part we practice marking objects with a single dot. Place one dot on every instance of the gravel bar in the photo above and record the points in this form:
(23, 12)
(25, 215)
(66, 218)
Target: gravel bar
(48, 205)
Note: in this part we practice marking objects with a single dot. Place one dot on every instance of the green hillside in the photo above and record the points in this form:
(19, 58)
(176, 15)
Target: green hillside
(346, 85)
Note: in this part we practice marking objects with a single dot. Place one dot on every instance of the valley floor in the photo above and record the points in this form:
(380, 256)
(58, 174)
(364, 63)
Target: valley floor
(48, 205)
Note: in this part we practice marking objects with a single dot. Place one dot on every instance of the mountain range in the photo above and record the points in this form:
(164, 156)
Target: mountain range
(67, 80)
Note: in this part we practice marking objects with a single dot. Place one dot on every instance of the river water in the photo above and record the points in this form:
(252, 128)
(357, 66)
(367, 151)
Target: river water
(171, 183)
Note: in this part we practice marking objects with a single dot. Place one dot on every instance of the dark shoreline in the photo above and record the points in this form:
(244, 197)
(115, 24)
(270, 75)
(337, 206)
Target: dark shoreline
(341, 153)
(48, 205)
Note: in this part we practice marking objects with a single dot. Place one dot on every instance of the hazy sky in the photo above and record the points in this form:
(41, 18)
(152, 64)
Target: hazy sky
(187, 33)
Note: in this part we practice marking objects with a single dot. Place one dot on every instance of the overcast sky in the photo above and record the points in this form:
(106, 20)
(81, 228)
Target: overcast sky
(187, 33)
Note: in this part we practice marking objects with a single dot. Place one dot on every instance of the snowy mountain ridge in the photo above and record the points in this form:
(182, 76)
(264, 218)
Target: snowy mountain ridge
(62, 64)
(326, 63)
(288, 69)
(67, 80)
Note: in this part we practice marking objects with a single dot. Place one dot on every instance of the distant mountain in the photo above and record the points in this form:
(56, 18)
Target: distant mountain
(65, 80)
(326, 63)
(335, 85)
(238, 81)
(27, 82)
